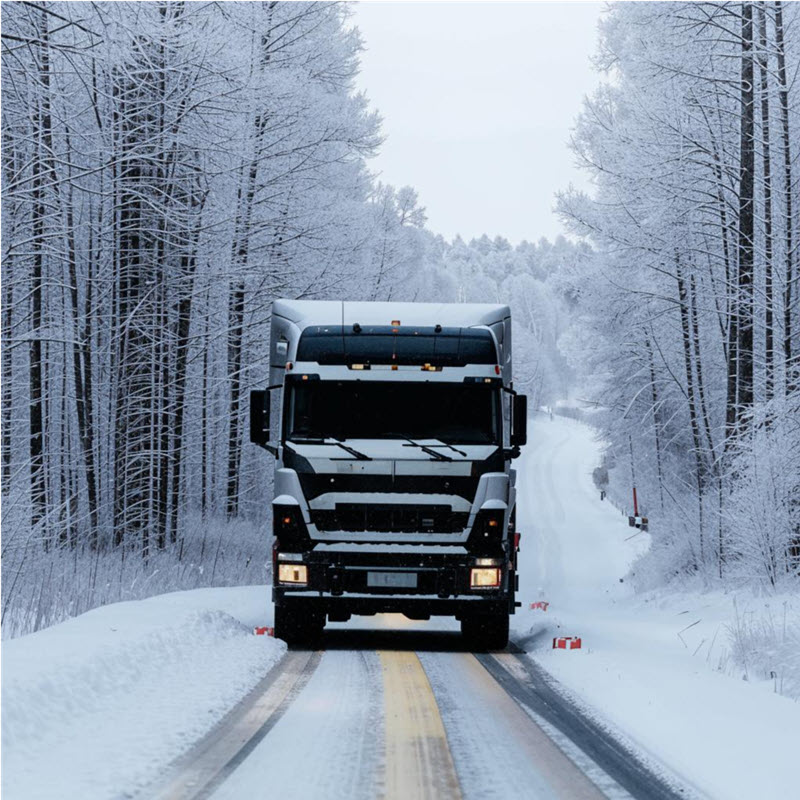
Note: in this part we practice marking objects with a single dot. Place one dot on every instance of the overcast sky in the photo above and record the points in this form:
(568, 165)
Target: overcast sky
(478, 100)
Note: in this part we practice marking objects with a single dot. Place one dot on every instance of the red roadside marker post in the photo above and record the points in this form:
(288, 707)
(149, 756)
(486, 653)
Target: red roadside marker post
(567, 643)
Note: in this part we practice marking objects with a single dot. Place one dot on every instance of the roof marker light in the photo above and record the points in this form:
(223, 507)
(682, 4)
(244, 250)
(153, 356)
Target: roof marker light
(396, 323)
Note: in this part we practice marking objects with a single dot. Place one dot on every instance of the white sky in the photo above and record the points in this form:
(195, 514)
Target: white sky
(478, 100)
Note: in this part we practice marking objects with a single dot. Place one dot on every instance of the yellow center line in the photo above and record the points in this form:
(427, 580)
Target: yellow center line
(418, 760)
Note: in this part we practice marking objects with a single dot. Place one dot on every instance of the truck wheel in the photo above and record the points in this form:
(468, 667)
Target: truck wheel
(297, 626)
(486, 631)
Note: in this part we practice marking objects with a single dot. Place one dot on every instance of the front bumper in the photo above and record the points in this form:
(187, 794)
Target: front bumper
(339, 582)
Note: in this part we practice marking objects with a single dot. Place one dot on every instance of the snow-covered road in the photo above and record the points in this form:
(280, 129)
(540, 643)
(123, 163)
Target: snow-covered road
(174, 697)
(655, 668)
(425, 719)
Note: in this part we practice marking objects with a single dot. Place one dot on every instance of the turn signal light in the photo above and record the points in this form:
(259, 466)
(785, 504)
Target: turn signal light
(295, 574)
(484, 578)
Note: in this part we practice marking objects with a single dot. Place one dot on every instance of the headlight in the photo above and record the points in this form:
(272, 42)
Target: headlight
(484, 578)
(293, 574)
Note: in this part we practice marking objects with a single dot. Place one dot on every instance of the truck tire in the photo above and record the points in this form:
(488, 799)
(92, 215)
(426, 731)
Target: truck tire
(298, 626)
(486, 631)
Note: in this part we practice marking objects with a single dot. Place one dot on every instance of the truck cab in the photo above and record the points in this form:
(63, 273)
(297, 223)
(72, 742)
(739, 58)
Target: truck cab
(394, 426)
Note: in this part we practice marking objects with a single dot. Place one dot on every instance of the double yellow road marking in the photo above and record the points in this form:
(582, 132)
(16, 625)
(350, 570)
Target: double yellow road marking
(418, 760)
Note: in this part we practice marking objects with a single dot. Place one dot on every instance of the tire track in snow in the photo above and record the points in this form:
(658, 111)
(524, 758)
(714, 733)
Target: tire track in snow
(542, 514)
(205, 766)
(498, 750)
(328, 743)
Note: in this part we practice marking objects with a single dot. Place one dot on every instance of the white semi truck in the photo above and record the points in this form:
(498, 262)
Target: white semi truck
(394, 426)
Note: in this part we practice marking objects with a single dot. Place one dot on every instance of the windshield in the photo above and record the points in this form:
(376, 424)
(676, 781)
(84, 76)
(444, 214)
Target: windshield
(450, 412)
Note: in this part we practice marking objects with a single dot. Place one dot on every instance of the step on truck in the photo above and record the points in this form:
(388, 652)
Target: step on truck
(394, 426)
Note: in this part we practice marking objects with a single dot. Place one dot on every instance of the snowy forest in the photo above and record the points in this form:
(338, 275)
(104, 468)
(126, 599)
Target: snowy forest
(170, 168)
(690, 312)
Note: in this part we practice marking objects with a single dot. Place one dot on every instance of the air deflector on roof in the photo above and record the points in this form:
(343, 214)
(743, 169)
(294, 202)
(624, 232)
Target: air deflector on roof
(382, 344)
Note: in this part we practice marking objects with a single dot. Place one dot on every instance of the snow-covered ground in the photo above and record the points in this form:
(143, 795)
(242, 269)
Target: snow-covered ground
(657, 667)
(95, 707)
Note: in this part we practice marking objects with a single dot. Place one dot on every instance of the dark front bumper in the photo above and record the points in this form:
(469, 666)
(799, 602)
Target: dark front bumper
(339, 581)
(416, 607)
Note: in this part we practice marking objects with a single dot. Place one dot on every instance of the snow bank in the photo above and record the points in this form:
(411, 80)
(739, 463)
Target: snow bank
(97, 706)
(662, 668)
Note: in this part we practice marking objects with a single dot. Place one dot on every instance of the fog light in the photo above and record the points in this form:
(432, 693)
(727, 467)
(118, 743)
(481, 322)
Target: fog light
(484, 578)
(296, 574)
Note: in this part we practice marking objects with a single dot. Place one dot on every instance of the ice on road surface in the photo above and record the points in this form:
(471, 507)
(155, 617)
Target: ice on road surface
(731, 739)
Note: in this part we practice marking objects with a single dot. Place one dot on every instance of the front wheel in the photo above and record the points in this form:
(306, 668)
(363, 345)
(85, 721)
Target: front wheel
(298, 626)
(486, 631)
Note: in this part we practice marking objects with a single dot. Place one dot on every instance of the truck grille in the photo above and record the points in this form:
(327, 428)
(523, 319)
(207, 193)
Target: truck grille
(390, 518)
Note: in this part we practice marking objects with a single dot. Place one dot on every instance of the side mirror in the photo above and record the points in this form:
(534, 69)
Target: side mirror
(519, 421)
(259, 417)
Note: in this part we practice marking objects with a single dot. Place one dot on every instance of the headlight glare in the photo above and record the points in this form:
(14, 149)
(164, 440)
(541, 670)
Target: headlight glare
(293, 574)
(484, 578)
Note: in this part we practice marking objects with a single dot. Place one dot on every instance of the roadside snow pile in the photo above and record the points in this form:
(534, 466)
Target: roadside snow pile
(765, 644)
(97, 706)
(663, 668)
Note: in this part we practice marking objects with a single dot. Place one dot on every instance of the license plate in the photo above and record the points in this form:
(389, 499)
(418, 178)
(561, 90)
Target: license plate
(404, 580)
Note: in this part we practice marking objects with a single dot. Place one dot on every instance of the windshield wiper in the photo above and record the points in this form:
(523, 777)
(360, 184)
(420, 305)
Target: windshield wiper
(447, 444)
(353, 452)
(324, 440)
(425, 449)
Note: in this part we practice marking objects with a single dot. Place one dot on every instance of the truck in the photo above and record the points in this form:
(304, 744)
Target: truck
(393, 426)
